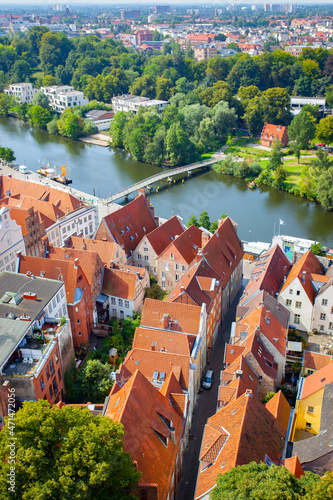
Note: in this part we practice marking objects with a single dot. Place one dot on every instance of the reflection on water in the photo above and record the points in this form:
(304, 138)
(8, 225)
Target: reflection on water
(108, 171)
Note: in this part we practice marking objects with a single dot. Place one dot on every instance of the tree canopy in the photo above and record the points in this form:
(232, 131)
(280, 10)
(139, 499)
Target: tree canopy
(65, 453)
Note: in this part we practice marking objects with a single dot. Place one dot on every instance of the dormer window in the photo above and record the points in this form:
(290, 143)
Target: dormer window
(127, 228)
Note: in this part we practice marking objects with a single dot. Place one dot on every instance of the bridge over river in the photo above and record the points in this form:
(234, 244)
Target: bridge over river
(169, 173)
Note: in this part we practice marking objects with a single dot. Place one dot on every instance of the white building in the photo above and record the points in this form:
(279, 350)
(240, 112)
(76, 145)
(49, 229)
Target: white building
(11, 240)
(129, 102)
(80, 222)
(24, 91)
(64, 97)
(323, 306)
(100, 118)
(297, 104)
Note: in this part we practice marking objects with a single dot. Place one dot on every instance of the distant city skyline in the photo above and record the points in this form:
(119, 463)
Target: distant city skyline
(116, 3)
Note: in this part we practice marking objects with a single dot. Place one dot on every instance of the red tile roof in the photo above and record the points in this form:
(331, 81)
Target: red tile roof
(20, 215)
(186, 244)
(279, 407)
(171, 341)
(146, 427)
(307, 264)
(185, 318)
(48, 212)
(315, 360)
(224, 251)
(163, 235)
(241, 432)
(107, 250)
(53, 269)
(121, 284)
(137, 216)
(149, 362)
(317, 381)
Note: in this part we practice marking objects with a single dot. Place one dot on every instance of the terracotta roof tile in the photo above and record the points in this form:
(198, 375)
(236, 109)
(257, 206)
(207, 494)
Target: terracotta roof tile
(20, 215)
(232, 352)
(163, 235)
(279, 407)
(308, 264)
(155, 340)
(186, 244)
(137, 216)
(252, 434)
(187, 316)
(48, 211)
(145, 431)
(53, 269)
(315, 360)
(317, 381)
(107, 250)
(121, 284)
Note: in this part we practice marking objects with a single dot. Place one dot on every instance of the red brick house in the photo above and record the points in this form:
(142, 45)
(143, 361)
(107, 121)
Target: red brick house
(270, 131)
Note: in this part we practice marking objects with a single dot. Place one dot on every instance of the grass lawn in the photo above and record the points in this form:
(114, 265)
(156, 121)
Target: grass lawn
(206, 156)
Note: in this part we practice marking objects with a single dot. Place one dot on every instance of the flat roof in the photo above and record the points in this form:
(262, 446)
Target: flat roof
(11, 334)
(14, 285)
(307, 100)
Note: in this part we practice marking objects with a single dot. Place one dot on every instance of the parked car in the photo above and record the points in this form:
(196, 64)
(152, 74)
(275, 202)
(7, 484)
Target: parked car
(208, 379)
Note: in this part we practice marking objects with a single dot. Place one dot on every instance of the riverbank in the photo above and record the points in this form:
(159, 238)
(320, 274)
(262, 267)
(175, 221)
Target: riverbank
(96, 140)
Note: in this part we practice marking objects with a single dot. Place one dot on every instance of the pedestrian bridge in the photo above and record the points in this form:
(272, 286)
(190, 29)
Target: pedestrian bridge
(169, 173)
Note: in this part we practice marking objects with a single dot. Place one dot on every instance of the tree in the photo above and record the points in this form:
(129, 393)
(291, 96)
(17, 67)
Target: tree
(325, 130)
(204, 220)
(179, 147)
(280, 176)
(155, 291)
(40, 99)
(325, 189)
(70, 124)
(6, 102)
(52, 126)
(259, 482)
(268, 396)
(54, 50)
(65, 453)
(7, 154)
(117, 129)
(275, 158)
(193, 221)
(247, 94)
(302, 129)
(253, 117)
(214, 226)
(95, 381)
(311, 69)
(275, 104)
(20, 71)
(318, 489)
(39, 116)
(317, 249)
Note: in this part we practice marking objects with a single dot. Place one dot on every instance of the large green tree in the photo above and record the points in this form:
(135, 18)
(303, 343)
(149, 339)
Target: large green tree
(302, 129)
(39, 116)
(325, 130)
(276, 155)
(275, 104)
(64, 453)
(95, 380)
(70, 124)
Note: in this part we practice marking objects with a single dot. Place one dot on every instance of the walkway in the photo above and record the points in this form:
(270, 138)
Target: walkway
(163, 175)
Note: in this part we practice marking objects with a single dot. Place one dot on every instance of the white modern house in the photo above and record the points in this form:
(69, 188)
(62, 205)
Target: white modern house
(64, 97)
(24, 91)
(11, 240)
(129, 102)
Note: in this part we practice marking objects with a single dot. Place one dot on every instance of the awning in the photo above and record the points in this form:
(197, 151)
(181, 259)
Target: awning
(102, 298)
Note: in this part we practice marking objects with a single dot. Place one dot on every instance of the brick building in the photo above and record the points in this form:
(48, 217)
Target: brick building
(78, 293)
(153, 244)
(33, 230)
(108, 251)
(270, 131)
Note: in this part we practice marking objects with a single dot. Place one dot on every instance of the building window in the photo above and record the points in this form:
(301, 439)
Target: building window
(330, 325)
(127, 303)
(80, 334)
(163, 275)
(42, 383)
(322, 316)
(288, 302)
(321, 328)
(166, 266)
(172, 256)
(297, 319)
(145, 249)
(290, 291)
(298, 292)
(113, 300)
(324, 302)
(120, 302)
(183, 268)
(78, 321)
(139, 256)
(331, 310)
(47, 372)
(146, 258)
(177, 267)
(51, 365)
(177, 277)
(163, 285)
(54, 385)
(298, 304)
(310, 409)
(51, 391)
(307, 425)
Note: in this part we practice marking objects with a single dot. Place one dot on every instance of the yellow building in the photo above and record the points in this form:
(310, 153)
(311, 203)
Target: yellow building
(314, 361)
(309, 403)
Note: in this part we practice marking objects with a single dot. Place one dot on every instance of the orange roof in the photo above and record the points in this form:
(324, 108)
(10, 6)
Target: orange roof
(279, 407)
(272, 131)
(319, 277)
(157, 340)
(107, 250)
(307, 264)
(149, 362)
(61, 199)
(53, 269)
(315, 360)
(163, 235)
(293, 465)
(184, 318)
(120, 283)
(20, 215)
(224, 250)
(130, 223)
(148, 431)
(240, 432)
(187, 244)
(232, 352)
(89, 262)
(47, 211)
(315, 382)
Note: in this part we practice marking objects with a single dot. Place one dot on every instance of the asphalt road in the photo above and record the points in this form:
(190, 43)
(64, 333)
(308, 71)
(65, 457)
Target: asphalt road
(205, 407)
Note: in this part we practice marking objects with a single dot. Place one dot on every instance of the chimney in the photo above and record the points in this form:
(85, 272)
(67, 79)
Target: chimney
(111, 264)
(204, 238)
(239, 373)
(182, 288)
(166, 321)
(84, 246)
(76, 263)
(153, 344)
(303, 276)
(248, 392)
(18, 254)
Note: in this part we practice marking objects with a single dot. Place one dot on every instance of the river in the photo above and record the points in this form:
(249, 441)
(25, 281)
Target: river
(104, 171)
